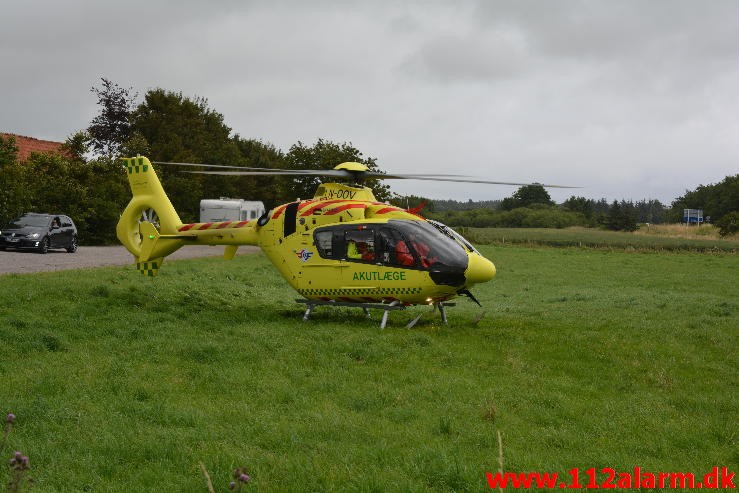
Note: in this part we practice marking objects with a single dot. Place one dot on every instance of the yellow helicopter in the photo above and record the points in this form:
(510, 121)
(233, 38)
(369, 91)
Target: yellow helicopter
(340, 248)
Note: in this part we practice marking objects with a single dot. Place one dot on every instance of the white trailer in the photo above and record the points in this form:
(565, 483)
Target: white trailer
(225, 209)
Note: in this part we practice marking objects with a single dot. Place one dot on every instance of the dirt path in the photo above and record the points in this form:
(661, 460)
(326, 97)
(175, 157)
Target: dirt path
(13, 261)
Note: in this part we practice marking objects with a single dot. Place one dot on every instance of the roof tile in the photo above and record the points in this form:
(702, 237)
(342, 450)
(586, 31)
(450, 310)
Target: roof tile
(28, 145)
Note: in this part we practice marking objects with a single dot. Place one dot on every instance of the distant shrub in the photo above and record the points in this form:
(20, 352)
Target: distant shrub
(535, 216)
(729, 224)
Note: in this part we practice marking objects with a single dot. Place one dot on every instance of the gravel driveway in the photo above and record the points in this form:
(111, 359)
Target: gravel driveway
(23, 261)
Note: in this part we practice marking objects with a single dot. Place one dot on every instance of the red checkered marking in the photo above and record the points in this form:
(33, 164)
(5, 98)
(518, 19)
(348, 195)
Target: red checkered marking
(204, 226)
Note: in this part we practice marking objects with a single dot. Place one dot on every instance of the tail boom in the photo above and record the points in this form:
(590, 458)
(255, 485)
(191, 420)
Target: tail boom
(148, 242)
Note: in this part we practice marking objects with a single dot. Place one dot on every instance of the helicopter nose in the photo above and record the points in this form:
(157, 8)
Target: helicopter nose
(479, 269)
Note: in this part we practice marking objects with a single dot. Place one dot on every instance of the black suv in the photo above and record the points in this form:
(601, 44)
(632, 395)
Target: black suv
(41, 232)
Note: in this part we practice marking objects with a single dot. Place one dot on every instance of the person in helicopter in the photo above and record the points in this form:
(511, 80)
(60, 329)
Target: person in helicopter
(403, 255)
(359, 250)
(366, 252)
(352, 251)
(423, 250)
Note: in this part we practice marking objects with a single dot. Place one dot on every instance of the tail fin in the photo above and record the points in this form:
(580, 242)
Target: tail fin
(148, 219)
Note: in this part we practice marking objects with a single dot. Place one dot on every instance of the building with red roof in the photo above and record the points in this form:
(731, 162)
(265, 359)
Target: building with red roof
(28, 145)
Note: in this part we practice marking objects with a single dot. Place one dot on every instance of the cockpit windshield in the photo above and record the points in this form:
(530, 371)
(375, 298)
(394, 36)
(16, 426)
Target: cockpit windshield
(453, 235)
(433, 250)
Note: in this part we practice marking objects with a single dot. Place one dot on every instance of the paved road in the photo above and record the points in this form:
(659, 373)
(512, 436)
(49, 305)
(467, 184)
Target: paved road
(13, 261)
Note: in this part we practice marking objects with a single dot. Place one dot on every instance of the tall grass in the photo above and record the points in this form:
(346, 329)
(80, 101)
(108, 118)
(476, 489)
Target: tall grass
(704, 231)
(585, 358)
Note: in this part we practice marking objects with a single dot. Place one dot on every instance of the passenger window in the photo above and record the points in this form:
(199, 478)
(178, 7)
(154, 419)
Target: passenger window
(324, 243)
(360, 245)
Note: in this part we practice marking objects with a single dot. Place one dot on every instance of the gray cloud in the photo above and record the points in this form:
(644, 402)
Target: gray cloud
(486, 56)
(629, 99)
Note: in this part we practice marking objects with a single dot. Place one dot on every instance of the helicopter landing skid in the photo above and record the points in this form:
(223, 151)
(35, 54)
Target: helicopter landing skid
(395, 305)
(441, 305)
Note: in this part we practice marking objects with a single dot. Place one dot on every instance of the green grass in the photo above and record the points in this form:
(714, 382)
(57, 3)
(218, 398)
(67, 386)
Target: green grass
(585, 358)
(596, 238)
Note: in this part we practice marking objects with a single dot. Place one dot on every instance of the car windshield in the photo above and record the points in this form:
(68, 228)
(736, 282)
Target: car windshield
(30, 220)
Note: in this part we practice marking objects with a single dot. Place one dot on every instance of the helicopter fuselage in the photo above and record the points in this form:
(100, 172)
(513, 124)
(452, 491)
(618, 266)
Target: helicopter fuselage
(341, 245)
(400, 257)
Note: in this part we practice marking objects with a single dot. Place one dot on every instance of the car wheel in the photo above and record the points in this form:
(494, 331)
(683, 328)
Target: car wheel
(43, 247)
(72, 246)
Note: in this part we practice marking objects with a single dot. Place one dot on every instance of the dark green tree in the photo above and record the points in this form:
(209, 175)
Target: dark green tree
(613, 221)
(728, 224)
(77, 145)
(178, 128)
(14, 186)
(650, 211)
(622, 216)
(582, 205)
(325, 154)
(175, 128)
(272, 190)
(8, 150)
(716, 200)
(111, 127)
(525, 196)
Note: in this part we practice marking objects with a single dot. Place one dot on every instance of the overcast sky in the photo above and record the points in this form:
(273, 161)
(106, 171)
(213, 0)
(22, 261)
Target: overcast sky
(627, 99)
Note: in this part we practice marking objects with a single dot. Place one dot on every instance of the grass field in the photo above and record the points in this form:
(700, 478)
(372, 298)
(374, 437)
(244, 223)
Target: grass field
(584, 358)
(656, 238)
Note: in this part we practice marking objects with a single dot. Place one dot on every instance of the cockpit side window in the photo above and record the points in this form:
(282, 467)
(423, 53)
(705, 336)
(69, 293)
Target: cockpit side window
(324, 243)
(356, 244)
(396, 250)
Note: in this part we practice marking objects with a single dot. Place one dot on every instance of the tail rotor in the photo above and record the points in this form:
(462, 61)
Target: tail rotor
(148, 218)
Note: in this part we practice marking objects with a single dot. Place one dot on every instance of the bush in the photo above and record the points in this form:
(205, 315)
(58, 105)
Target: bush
(92, 194)
(536, 216)
(729, 224)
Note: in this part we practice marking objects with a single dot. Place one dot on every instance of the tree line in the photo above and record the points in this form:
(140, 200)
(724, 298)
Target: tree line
(531, 207)
(88, 183)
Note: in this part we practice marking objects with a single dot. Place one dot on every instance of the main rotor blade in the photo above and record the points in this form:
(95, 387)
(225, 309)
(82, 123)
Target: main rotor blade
(203, 165)
(276, 172)
(342, 173)
(268, 171)
(339, 173)
(463, 180)
(454, 178)
(327, 172)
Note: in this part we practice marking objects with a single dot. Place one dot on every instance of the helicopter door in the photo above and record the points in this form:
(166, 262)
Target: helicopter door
(291, 212)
